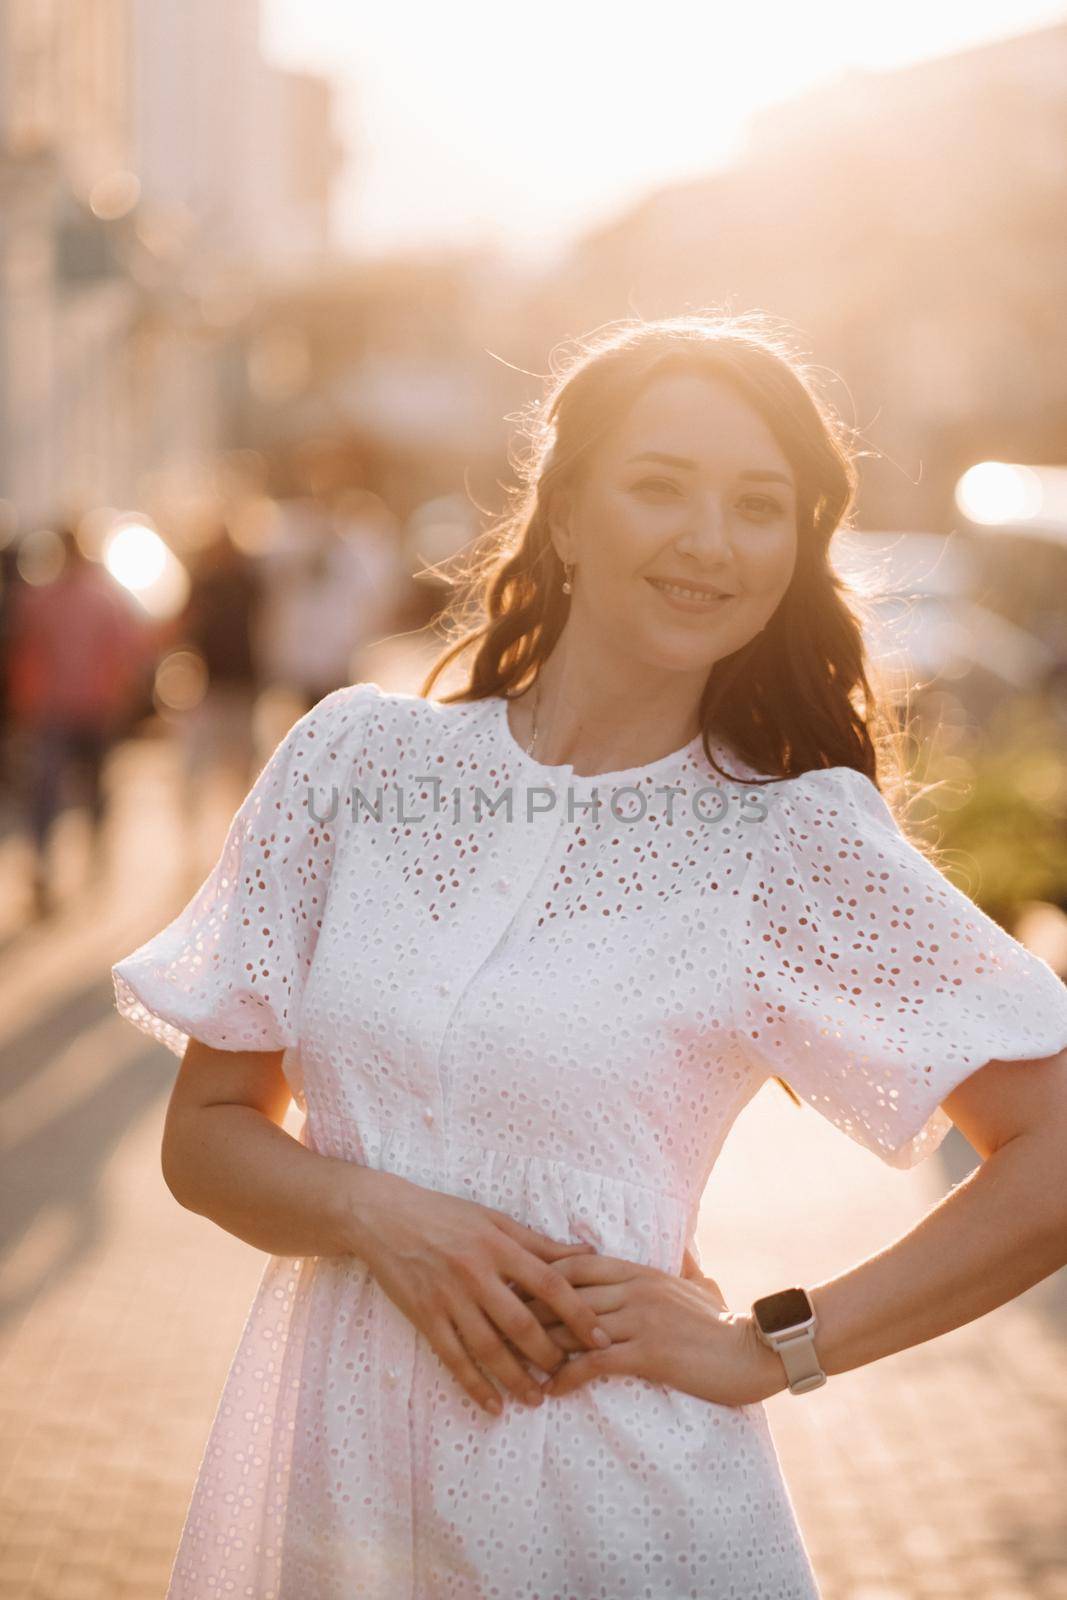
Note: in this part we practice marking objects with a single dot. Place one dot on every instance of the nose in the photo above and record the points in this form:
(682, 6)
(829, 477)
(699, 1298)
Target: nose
(707, 534)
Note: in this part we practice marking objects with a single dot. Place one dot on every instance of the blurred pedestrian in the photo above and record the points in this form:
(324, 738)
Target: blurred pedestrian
(75, 655)
(321, 601)
(217, 625)
(364, 519)
(8, 585)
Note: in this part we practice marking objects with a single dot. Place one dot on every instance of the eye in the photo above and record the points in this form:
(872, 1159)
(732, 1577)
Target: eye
(663, 483)
(765, 502)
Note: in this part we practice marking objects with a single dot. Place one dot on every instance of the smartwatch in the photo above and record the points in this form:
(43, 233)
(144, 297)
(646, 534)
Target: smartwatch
(786, 1322)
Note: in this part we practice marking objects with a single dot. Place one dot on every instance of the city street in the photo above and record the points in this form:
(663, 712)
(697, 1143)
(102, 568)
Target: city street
(939, 1472)
(338, 340)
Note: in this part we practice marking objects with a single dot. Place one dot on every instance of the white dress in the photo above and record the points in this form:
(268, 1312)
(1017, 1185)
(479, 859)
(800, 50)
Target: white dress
(559, 1016)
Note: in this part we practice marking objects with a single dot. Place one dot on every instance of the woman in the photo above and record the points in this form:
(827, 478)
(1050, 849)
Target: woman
(521, 1026)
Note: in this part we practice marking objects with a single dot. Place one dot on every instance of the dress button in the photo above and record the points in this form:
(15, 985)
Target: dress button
(444, 988)
(503, 884)
(391, 1375)
(427, 1115)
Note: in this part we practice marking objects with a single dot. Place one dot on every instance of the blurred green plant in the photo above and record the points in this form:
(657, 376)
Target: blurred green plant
(998, 818)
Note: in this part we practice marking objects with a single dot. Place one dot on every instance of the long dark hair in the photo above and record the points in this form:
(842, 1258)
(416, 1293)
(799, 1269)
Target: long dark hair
(799, 694)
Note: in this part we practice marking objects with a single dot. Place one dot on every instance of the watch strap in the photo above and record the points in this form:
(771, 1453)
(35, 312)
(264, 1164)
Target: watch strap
(795, 1343)
(800, 1359)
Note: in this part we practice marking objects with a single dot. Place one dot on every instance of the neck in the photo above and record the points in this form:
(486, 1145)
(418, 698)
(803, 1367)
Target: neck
(586, 721)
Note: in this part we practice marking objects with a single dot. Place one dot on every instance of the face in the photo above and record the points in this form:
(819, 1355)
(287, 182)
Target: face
(720, 513)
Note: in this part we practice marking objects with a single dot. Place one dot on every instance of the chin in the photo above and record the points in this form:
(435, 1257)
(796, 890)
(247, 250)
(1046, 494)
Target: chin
(666, 657)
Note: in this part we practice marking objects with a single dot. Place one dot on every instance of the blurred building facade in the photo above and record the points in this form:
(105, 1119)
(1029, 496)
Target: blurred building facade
(392, 361)
(155, 172)
(241, 151)
(910, 224)
(168, 290)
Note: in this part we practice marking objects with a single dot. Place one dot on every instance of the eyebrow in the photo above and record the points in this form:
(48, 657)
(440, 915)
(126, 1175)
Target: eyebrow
(752, 475)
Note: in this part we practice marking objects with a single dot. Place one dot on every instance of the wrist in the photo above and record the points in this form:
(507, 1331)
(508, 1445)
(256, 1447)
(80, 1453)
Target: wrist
(357, 1198)
(785, 1322)
(730, 1365)
(769, 1376)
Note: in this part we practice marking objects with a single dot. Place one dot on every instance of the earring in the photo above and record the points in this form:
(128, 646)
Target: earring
(568, 568)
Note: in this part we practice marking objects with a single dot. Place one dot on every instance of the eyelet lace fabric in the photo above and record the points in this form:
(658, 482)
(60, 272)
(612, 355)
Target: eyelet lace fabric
(868, 980)
(554, 1000)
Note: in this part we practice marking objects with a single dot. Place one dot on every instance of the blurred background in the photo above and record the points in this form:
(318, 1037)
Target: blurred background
(275, 280)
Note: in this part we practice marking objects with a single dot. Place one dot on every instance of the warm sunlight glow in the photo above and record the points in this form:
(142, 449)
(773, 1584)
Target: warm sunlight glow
(998, 491)
(542, 123)
(139, 559)
(135, 556)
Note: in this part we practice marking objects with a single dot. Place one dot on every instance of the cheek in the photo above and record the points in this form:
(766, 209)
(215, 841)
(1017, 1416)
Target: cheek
(632, 532)
(616, 558)
(766, 565)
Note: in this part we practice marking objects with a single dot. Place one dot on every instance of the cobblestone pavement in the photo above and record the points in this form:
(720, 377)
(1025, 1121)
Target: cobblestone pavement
(940, 1472)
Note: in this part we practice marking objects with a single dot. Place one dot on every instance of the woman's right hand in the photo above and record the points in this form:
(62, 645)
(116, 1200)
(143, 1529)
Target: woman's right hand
(449, 1263)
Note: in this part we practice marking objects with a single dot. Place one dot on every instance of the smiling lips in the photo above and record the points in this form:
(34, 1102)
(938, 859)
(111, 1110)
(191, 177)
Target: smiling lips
(690, 596)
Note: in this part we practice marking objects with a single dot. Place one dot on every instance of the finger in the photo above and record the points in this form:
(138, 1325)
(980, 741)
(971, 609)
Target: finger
(621, 1325)
(482, 1340)
(584, 1270)
(446, 1342)
(517, 1324)
(550, 1366)
(717, 1296)
(550, 1284)
(565, 1341)
(539, 1244)
(690, 1267)
(601, 1296)
(587, 1364)
(554, 1249)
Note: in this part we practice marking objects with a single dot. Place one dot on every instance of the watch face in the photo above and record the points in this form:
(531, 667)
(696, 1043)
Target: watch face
(776, 1312)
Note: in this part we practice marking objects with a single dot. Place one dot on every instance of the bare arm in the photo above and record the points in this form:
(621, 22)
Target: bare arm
(226, 1156)
(448, 1263)
(993, 1236)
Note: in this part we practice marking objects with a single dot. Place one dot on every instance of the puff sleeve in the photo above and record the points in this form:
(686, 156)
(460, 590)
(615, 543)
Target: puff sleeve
(866, 979)
(230, 969)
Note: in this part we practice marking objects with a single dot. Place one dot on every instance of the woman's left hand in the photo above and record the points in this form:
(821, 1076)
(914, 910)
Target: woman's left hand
(672, 1329)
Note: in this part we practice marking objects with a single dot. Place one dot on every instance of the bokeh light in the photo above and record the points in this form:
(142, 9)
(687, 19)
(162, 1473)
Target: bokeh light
(282, 286)
(998, 491)
(181, 681)
(136, 556)
(40, 557)
(114, 195)
(143, 563)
